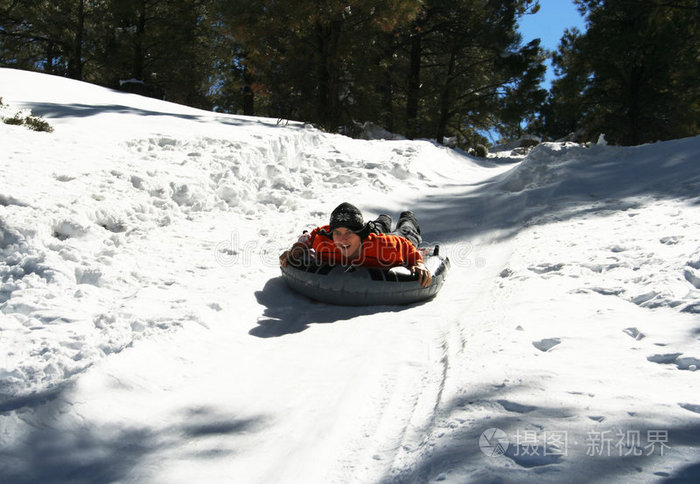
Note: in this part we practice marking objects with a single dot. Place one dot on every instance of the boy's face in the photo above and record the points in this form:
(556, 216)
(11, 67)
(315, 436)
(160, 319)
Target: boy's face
(347, 241)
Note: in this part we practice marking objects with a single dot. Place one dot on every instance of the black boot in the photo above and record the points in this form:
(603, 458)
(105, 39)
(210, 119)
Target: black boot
(408, 228)
(408, 217)
(382, 225)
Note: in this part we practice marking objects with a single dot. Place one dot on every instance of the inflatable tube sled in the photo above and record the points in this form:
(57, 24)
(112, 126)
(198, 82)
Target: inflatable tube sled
(364, 286)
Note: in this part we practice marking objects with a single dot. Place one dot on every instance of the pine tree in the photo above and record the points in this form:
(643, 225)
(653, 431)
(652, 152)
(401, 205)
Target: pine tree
(312, 60)
(474, 73)
(633, 74)
(523, 97)
(565, 109)
(44, 35)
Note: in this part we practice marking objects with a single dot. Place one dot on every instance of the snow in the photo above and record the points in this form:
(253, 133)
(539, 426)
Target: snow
(147, 335)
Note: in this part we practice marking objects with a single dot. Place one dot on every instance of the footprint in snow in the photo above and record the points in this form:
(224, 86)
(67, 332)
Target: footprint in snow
(644, 298)
(671, 240)
(604, 291)
(545, 268)
(515, 407)
(635, 333)
(6, 201)
(529, 456)
(691, 407)
(546, 344)
(664, 359)
(506, 273)
(687, 363)
(692, 275)
(64, 178)
(693, 308)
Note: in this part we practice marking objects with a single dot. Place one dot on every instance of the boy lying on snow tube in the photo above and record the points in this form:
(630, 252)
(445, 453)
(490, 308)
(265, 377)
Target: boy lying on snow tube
(348, 241)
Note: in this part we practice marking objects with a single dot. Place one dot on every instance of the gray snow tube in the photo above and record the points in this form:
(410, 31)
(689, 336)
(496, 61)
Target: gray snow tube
(365, 286)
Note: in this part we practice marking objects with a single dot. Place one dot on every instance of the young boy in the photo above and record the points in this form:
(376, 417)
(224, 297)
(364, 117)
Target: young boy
(347, 240)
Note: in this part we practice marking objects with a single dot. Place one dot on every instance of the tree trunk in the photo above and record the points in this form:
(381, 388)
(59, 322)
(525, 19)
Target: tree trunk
(388, 101)
(445, 98)
(138, 67)
(75, 61)
(413, 94)
(248, 94)
(328, 109)
(634, 109)
(51, 56)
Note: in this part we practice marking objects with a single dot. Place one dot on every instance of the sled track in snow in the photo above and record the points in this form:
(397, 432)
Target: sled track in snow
(409, 407)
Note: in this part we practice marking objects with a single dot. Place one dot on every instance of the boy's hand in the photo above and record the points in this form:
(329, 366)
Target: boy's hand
(295, 253)
(424, 275)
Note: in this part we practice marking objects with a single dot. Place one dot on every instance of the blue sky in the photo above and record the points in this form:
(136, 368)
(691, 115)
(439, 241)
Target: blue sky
(549, 24)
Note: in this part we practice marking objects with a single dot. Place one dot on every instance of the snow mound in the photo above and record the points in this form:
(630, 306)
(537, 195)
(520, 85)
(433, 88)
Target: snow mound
(601, 171)
(77, 229)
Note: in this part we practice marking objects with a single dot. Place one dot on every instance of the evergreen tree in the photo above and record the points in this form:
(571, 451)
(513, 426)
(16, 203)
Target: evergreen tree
(168, 43)
(523, 97)
(565, 108)
(164, 42)
(44, 35)
(466, 55)
(632, 75)
(313, 60)
(424, 68)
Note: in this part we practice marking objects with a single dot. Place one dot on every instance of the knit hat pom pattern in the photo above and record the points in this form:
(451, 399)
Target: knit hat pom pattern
(348, 216)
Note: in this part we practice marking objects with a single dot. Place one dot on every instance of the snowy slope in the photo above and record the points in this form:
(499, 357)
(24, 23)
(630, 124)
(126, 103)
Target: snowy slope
(147, 337)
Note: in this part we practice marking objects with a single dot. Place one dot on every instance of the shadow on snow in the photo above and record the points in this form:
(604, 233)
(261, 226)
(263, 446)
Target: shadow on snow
(57, 111)
(61, 448)
(458, 455)
(288, 312)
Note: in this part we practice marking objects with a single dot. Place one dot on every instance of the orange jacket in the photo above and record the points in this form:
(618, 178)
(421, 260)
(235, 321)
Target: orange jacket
(378, 250)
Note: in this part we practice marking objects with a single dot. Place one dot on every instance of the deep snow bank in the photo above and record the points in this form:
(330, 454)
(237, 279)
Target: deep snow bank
(599, 171)
(91, 214)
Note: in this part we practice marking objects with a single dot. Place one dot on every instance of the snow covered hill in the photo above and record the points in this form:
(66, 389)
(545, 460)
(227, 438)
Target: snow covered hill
(146, 335)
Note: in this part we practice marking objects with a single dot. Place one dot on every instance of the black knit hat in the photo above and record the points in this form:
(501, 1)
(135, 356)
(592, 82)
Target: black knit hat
(348, 216)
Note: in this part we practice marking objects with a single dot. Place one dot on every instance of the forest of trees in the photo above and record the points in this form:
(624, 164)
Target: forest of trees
(439, 69)
(633, 75)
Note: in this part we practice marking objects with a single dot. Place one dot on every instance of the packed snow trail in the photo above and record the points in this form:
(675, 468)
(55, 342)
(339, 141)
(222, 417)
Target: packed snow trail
(152, 339)
(162, 240)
